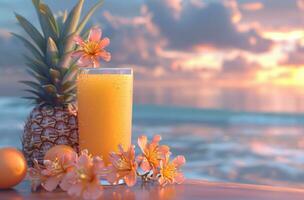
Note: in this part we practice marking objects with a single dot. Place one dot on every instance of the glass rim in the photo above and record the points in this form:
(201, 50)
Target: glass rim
(89, 70)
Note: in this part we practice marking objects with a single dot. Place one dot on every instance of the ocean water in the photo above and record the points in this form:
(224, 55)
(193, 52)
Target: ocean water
(222, 139)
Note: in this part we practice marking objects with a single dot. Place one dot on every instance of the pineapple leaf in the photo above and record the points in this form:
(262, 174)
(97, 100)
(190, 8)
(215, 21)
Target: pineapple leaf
(36, 53)
(37, 65)
(64, 16)
(70, 35)
(36, 2)
(60, 98)
(35, 69)
(48, 25)
(52, 53)
(32, 84)
(37, 76)
(72, 20)
(55, 75)
(68, 32)
(37, 100)
(31, 31)
(68, 87)
(54, 30)
(88, 16)
(70, 74)
(85, 34)
(69, 98)
(50, 89)
(34, 92)
(65, 49)
(61, 20)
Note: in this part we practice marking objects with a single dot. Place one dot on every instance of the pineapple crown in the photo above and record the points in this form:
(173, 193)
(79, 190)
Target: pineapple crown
(50, 64)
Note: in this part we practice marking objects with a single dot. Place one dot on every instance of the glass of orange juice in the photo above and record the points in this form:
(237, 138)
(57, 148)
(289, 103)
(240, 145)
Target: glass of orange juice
(104, 109)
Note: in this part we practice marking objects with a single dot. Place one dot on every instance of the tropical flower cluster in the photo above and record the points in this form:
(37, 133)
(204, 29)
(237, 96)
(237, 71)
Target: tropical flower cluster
(90, 51)
(80, 175)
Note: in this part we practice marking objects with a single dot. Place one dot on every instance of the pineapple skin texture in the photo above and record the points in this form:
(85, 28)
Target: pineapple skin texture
(46, 127)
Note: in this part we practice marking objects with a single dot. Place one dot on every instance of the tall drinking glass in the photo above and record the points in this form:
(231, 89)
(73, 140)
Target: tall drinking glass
(104, 109)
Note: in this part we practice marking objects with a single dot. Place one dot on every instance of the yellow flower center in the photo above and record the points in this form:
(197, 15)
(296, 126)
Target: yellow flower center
(168, 171)
(91, 48)
(153, 156)
(84, 175)
(57, 168)
(123, 165)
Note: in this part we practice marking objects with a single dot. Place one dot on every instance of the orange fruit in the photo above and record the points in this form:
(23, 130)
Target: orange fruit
(12, 167)
(58, 151)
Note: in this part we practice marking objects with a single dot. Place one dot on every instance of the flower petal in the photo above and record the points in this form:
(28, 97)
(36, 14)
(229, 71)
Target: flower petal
(78, 40)
(142, 142)
(95, 34)
(84, 61)
(69, 160)
(130, 179)
(179, 161)
(84, 161)
(104, 43)
(51, 183)
(145, 165)
(68, 180)
(98, 165)
(46, 172)
(95, 63)
(76, 189)
(112, 176)
(162, 181)
(132, 153)
(93, 191)
(179, 178)
(106, 56)
(163, 150)
(139, 158)
(156, 139)
(78, 54)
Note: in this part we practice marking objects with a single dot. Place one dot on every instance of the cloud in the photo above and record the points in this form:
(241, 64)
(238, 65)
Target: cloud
(209, 24)
(239, 65)
(11, 50)
(164, 33)
(254, 6)
(275, 14)
(295, 57)
(134, 40)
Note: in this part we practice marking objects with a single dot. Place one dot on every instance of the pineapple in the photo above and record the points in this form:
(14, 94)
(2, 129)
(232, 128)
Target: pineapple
(53, 120)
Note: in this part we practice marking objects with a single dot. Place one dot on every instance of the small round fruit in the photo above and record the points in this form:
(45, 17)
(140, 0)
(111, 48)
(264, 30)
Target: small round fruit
(58, 151)
(12, 167)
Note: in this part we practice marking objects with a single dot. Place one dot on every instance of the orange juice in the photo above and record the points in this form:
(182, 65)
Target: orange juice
(104, 109)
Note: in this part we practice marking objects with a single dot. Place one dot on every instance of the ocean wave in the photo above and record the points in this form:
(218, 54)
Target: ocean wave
(18, 109)
(167, 114)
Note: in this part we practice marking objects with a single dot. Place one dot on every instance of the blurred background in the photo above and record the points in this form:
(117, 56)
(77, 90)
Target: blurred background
(220, 80)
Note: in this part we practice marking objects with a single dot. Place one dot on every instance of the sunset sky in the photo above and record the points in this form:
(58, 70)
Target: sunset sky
(226, 41)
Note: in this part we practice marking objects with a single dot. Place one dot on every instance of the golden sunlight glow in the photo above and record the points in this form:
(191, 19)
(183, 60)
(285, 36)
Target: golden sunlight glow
(207, 61)
(236, 15)
(285, 75)
(252, 6)
(284, 35)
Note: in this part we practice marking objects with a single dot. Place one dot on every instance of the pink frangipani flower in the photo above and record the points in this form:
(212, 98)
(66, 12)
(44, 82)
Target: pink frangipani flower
(56, 170)
(80, 175)
(170, 170)
(35, 176)
(50, 175)
(92, 50)
(84, 180)
(123, 166)
(152, 153)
